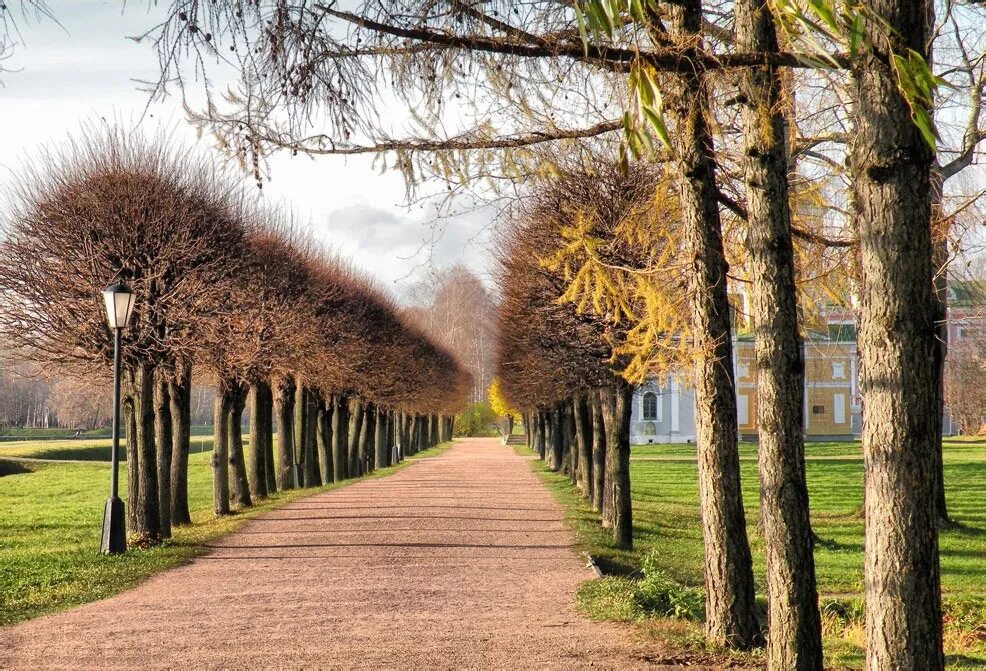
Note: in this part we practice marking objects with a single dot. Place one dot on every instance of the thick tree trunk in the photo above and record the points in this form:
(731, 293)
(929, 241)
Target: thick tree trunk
(164, 440)
(415, 434)
(304, 436)
(618, 506)
(355, 434)
(367, 439)
(939, 299)
(571, 454)
(133, 454)
(583, 444)
(147, 520)
(220, 450)
(555, 436)
(325, 456)
(889, 163)
(598, 451)
(312, 473)
(542, 427)
(180, 394)
(795, 636)
(238, 484)
(434, 431)
(380, 440)
(340, 438)
(284, 408)
(731, 618)
(261, 402)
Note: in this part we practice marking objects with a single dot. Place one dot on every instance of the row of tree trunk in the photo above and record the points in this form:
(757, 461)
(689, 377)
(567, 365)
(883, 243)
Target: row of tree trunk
(587, 437)
(321, 439)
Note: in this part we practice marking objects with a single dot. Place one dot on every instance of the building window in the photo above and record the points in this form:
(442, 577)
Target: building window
(650, 406)
(818, 409)
(839, 370)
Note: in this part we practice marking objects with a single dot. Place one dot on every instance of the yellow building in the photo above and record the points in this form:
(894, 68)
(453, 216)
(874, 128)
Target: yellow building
(832, 402)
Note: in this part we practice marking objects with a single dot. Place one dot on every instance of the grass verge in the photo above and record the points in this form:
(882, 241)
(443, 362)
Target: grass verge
(50, 520)
(668, 541)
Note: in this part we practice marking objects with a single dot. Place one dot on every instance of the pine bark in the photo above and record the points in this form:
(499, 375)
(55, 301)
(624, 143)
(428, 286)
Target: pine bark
(889, 164)
(164, 442)
(794, 638)
(598, 451)
(220, 451)
(180, 395)
(284, 409)
(731, 618)
(238, 484)
(340, 438)
(261, 406)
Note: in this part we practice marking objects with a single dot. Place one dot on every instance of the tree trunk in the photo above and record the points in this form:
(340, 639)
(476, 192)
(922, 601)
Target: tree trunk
(598, 452)
(367, 438)
(147, 519)
(220, 450)
(340, 438)
(731, 618)
(618, 506)
(261, 402)
(164, 440)
(380, 440)
(325, 456)
(311, 472)
(355, 434)
(889, 163)
(238, 487)
(794, 640)
(571, 454)
(180, 394)
(939, 299)
(542, 440)
(133, 455)
(583, 444)
(284, 408)
(414, 434)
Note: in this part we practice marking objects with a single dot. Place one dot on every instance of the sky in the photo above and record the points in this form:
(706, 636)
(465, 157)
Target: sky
(87, 69)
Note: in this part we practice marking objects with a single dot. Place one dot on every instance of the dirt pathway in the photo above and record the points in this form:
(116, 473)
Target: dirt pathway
(458, 561)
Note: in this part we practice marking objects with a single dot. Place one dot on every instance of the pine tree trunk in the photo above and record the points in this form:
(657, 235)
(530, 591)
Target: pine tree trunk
(180, 394)
(583, 443)
(164, 440)
(731, 618)
(284, 408)
(795, 636)
(340, 438)
(261, 401)
(889, 164)
(355, 434)
(146, 504)
(325, 461)
(598, 451)
(380, 440)
(238, 485)
(220, 450)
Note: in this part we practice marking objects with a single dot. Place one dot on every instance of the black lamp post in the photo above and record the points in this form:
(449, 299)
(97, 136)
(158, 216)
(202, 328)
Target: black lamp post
(119, 304)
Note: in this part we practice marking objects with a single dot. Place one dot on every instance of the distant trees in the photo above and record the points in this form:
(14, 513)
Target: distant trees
(223, 288)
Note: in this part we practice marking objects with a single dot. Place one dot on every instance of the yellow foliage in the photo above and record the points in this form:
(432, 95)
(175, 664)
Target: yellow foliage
(498, 403)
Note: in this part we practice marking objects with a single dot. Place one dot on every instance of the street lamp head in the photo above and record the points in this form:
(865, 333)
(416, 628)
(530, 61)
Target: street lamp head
(119, 305)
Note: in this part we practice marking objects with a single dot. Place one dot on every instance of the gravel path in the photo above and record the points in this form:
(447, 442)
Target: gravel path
(458, 561)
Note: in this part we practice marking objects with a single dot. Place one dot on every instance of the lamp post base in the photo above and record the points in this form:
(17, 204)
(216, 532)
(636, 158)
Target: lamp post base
(114, 528)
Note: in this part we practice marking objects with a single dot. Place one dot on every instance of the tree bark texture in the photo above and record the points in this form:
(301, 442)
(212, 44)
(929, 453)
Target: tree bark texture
(355, 434)
(583, 444)
(284, 408)
(164, 443)
(794, 638)
(730, 607)
(340, 438)
(598, 451)
(557, 439)
(367, 439)
(312, 473)
(261, 417)
(380, 440)
(238, 483)
(889, 163)
(325, 456)
(180, 395)
(147, 520)
(220, 450)
(618, 506)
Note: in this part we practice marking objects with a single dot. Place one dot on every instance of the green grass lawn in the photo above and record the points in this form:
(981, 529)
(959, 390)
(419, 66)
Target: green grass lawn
(83, 449)
(50, 519)
(666, 527)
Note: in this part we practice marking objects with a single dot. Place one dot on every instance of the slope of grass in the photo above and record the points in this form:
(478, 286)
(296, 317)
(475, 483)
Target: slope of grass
(666, 530)
(50, 520)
